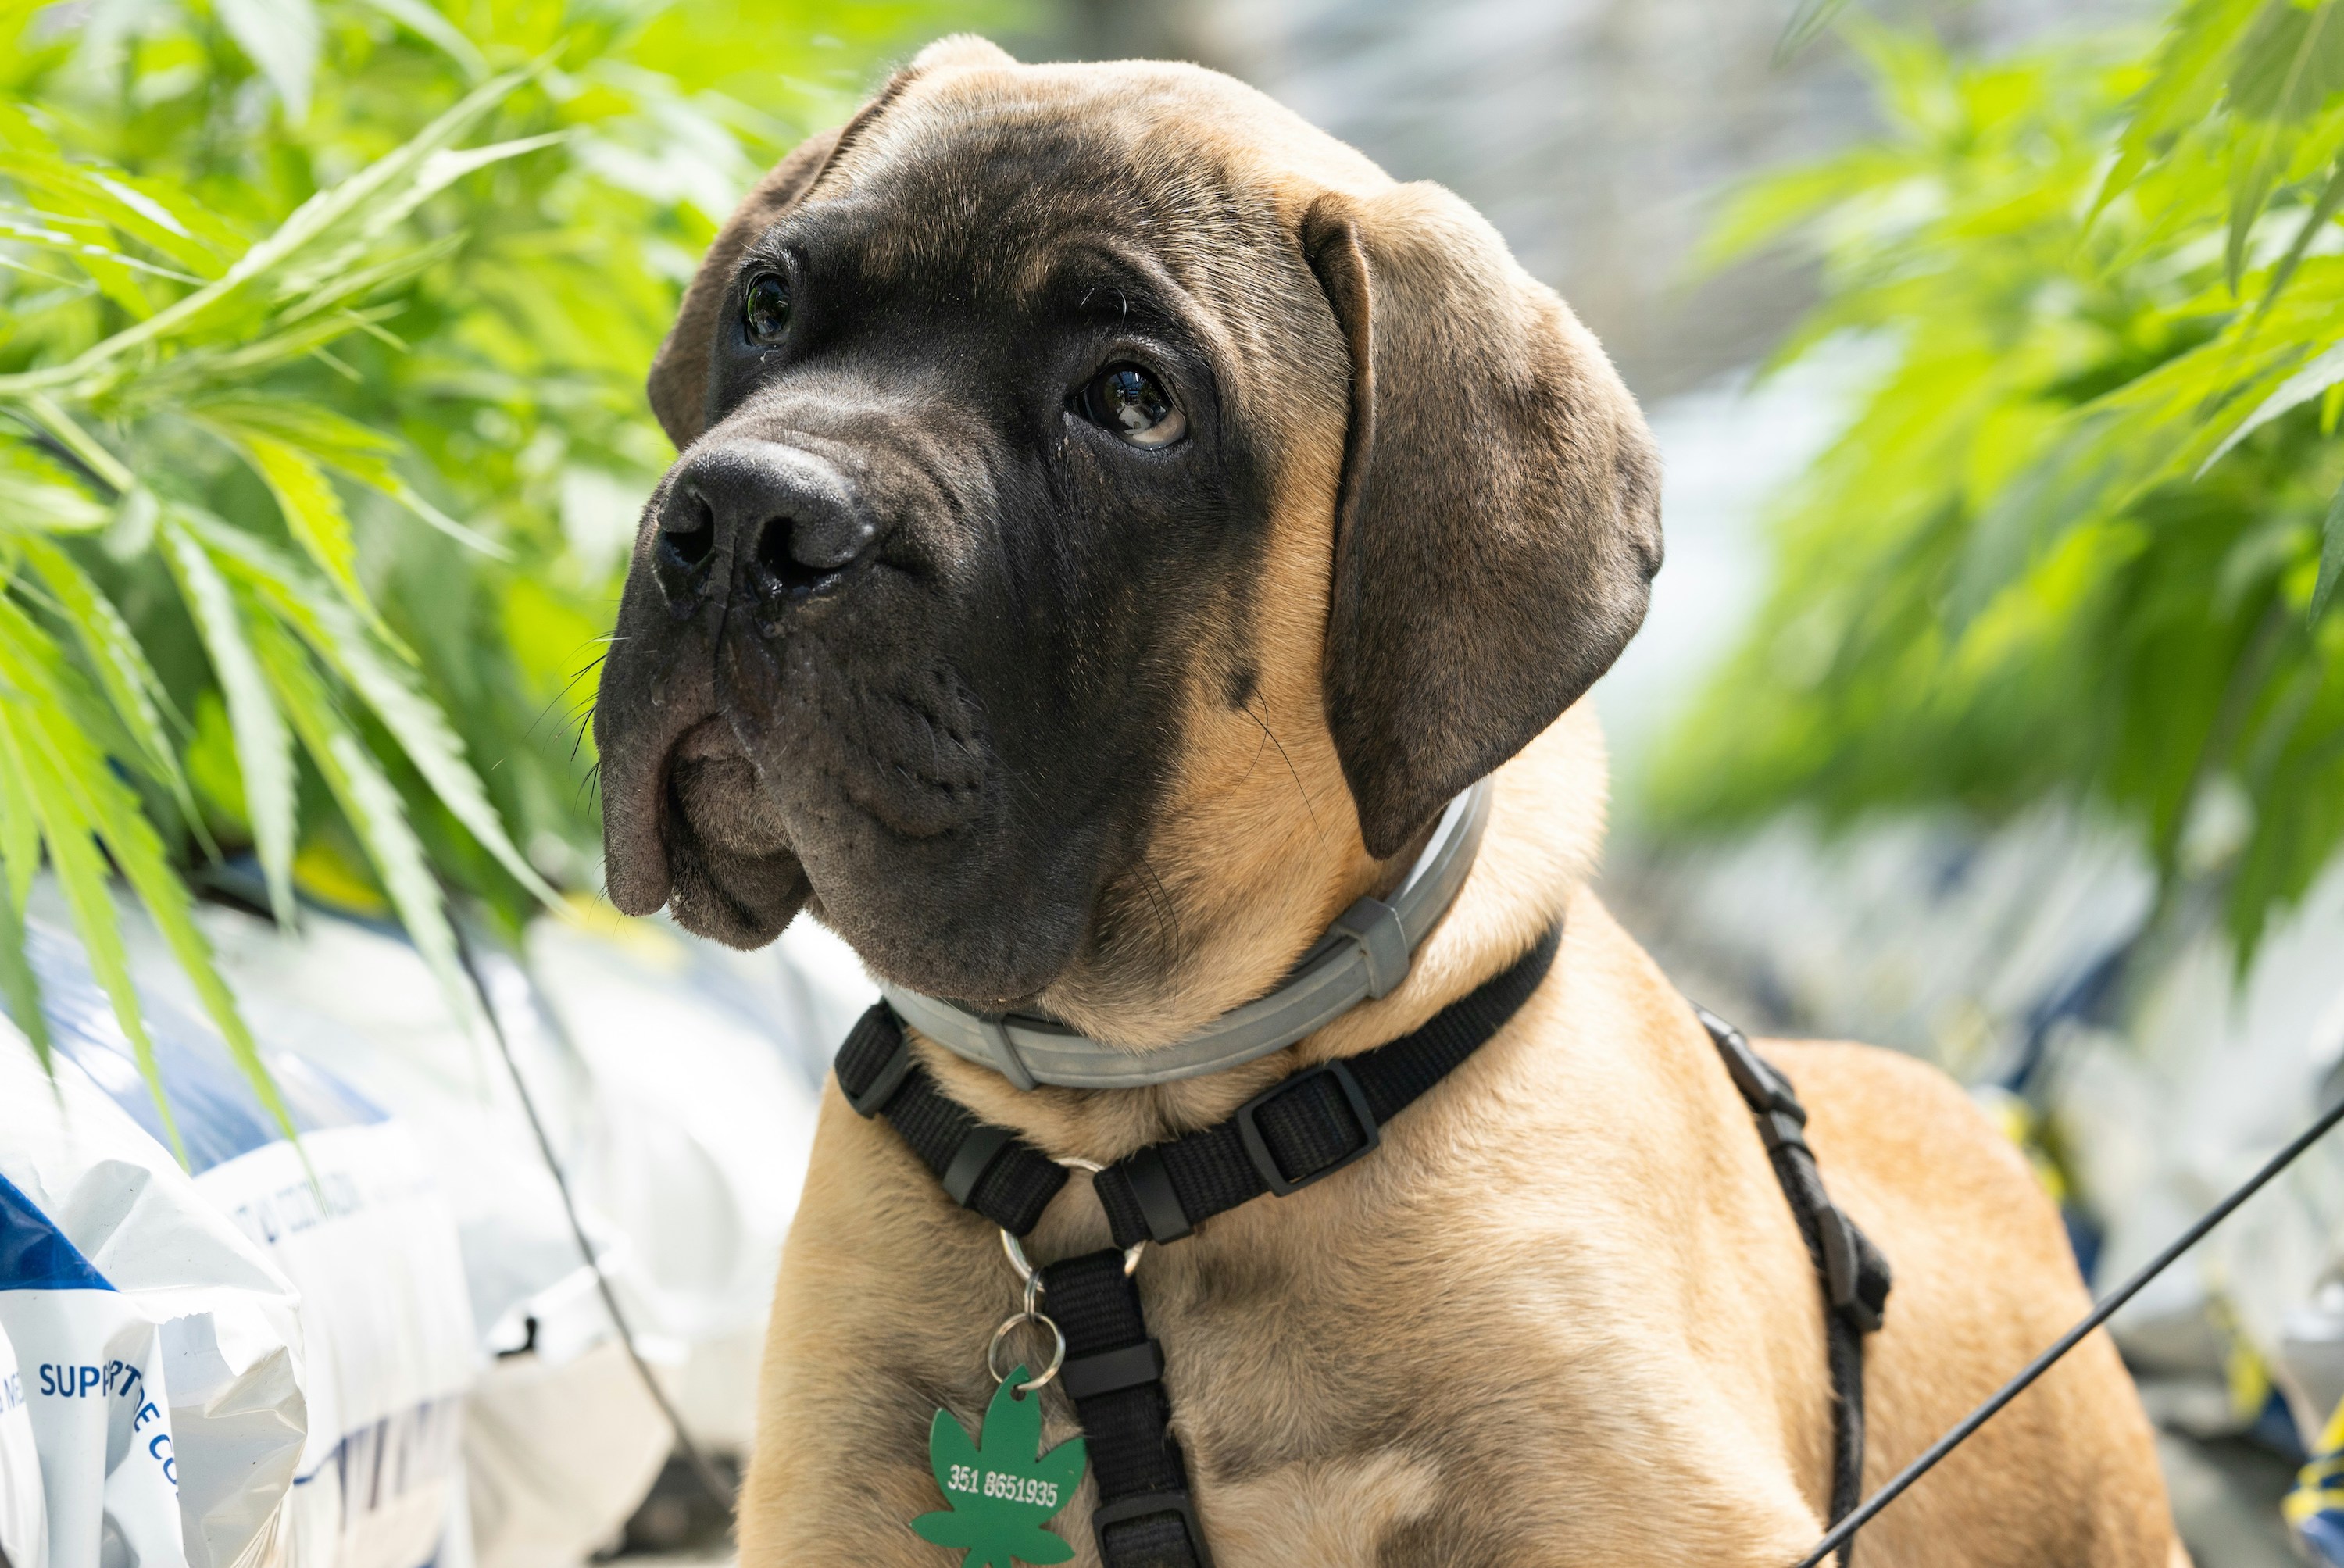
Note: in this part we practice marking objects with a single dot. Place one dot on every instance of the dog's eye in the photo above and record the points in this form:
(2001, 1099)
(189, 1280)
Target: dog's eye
(765, 309)
(1132, 404)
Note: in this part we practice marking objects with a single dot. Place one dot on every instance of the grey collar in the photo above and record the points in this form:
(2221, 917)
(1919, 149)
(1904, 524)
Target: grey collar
(1365, 953)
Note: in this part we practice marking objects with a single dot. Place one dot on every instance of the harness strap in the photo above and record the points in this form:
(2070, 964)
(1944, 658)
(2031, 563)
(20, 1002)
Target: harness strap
(982, 1167)
(1146, 1516)
(1308, 1124)
(1301, 1129)
(1854, 1275)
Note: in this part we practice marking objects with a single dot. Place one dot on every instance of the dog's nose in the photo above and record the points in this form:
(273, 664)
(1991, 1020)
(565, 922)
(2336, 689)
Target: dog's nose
(789, 517)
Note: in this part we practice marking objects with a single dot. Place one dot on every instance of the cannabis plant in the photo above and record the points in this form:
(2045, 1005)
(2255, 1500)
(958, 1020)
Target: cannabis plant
(2082, 538)
(321, 336)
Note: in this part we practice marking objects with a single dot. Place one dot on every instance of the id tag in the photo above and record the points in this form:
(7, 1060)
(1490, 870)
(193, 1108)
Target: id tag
(1000, 1489)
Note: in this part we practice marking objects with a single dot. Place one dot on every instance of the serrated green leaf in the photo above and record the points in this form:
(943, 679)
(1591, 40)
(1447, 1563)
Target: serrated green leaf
(18, 984)
(20, 862)
(164, 895)
(45, 237)
(344, 445)
(421, 729)
(313, 513)
(327, 220)
(2324, 371)
(433, 175)
(28, 501)
(2192, 70)
(369, 803)
(147, 209)
(281, 38)
(81, 803)
(2323, 209)
(264, 748)
(2290, 62)
(81, 878)
(420, 19)
(948, 1444)
(331, 437)
(68, 786)
(129, 680)
(2331, 558)
(20, 831)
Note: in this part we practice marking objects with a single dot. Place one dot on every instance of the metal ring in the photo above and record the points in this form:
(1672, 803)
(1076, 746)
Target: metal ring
(1058, 1351)
(1026, 1270)
(1017, 1260)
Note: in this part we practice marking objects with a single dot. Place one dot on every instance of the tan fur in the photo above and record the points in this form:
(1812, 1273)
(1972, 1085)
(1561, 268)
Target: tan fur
(1563, 1315)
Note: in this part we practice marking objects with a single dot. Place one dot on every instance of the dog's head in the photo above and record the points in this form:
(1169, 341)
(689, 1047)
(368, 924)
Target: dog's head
(1100, 496)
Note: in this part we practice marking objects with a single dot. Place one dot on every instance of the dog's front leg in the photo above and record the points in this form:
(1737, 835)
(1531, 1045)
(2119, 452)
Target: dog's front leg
(888, 1295)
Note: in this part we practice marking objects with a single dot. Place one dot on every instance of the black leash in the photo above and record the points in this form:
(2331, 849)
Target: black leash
(1854, 1275)
(2107, 1307)
(1301, 1129)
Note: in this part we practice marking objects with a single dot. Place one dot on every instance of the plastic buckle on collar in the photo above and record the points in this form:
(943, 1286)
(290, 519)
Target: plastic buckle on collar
(1004, 1050)
(1374, 927)
(1149, 1505)
(1258, 1150)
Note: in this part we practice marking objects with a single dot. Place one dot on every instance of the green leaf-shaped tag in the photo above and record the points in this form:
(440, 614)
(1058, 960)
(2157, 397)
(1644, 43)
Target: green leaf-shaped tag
(999, 1488)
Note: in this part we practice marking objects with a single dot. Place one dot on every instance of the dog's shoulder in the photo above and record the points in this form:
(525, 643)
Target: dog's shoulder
(1893, 1124)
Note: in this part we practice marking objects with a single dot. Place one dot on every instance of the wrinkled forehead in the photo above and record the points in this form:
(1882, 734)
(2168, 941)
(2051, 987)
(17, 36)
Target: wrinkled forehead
(1018, 182)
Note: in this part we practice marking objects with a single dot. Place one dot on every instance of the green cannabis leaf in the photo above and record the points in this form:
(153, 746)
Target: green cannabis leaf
(1001, 1491)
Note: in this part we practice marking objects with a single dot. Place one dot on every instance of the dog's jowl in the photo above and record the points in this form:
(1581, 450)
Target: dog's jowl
(1112, 523)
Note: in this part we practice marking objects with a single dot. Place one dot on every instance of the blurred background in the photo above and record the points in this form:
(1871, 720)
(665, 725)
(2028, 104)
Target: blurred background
(1991, 706)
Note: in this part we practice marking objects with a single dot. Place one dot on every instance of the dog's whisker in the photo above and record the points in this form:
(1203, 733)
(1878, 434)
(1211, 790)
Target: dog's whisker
(1307, 805)
(1163, 901)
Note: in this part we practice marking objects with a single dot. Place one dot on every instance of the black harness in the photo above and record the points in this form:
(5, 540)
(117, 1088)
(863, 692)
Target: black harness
(1305, 1127)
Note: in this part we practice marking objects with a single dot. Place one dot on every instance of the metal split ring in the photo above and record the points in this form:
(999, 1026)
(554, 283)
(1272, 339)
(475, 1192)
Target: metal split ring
(1017, 1259)
(1057, 1347)
(1026, 1270)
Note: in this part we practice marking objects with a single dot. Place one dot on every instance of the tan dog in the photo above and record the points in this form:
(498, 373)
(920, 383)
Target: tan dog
(1113, 518)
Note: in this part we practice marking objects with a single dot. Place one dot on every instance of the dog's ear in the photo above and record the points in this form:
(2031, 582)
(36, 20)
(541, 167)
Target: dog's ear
(1498, 525)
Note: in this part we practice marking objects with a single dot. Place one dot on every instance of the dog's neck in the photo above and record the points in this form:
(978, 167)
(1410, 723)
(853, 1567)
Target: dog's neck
(1545, 831)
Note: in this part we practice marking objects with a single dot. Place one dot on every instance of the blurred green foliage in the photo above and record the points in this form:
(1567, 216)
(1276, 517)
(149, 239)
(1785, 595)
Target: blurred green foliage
(2081, 539)
(322, 331)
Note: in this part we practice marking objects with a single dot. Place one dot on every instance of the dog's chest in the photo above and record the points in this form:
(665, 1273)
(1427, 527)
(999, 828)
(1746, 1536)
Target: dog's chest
(1420, 1390)
(1372, 1372)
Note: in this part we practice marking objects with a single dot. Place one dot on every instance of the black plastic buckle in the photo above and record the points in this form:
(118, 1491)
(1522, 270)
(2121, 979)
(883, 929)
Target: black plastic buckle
(891, 1072)
(1258, 1150)
(973, 1159)
(1762, 1084)
(1147, 1506)
(1111, 1371)
(1857, 1293)
(1159, 1200)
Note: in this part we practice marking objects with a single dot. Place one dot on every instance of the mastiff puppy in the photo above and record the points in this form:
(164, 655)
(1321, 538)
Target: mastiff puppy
(1113, 518)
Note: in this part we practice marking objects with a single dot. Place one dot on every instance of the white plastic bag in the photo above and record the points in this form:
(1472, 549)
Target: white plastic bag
(387, 1331)
(354, 1221)
(92, 1374)
(23, 1513)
